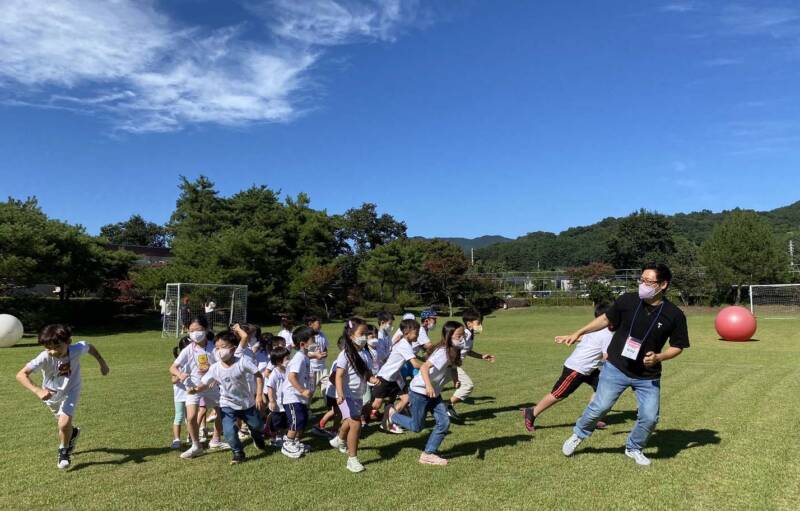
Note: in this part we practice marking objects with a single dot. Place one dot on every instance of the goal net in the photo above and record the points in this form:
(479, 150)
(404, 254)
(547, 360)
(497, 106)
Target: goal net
(775, 300)
(221, 304)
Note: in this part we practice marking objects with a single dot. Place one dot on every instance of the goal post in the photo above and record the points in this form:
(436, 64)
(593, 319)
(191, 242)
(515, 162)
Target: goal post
(775, 300)
(220, 304)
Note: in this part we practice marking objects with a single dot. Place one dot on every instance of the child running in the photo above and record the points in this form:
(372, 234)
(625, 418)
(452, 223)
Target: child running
(426, 391)
(473, 321)
(391, 383)
(276, 420)
(189, 368)
(352, 374)
(296, 393)
(60, 363)
(233, 375)
(583, 366)
(179, 398)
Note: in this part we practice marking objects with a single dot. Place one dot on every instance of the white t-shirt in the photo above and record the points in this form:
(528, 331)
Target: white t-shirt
(287, 335)
(354, 384)
(235, 387)
(589, 351)
(163, 305)
(401, 353)
(422, 339)
(179, 392)
(209, 309)
(61, 375)
(322, 345)
(469, 342)
(397, 336)
(439, 373)
(275, 382)
(196, 360)
(301, 365)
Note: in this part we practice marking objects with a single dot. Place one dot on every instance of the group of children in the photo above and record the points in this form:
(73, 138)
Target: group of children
(258, 385)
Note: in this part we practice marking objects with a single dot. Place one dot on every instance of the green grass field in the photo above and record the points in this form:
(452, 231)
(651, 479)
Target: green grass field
(727, 436)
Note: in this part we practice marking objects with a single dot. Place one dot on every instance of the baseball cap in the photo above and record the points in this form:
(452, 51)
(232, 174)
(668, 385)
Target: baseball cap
(428, 313)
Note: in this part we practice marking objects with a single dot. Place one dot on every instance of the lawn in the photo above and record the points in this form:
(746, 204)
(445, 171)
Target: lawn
(727, 436)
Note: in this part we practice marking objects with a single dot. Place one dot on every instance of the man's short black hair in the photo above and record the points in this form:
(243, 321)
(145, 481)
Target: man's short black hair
(302, 335)
(471, 315)
(663, 273)
(277, 355)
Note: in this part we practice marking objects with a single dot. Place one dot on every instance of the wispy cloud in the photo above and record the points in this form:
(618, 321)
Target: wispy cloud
(148, 72)
(678, 7)
(740, 19)
(757, 137)
(721, 62)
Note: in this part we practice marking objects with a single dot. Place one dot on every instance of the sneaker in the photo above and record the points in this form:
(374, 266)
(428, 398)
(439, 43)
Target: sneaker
(276, 442)
(527, 414)
(431, 459)
(355, 466)
(76, 432)
(176, 444)
(387, 416)
(304, 447)
(63, 458)
(451, 412)
(211, 417)
(338, 443)
(292, 449)
(238, 457)
(192, 452)
(571, 444)
(600, 425)
(393, 429)
(638, 456)
(202, 437)
(218, 445)
(321, 432)
(259, 442)
(243, 436)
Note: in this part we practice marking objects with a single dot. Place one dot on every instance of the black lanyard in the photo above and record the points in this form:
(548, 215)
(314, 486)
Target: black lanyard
(652, 324)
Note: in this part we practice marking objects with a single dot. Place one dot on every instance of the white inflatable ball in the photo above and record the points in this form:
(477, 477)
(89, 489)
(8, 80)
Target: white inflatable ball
(10, 330)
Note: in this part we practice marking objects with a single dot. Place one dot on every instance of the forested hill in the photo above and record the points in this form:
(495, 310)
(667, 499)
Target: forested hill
(582, 245)
(476, 243)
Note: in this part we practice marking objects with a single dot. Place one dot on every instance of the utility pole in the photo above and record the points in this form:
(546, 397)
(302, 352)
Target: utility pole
(472, 256)
(791, 253)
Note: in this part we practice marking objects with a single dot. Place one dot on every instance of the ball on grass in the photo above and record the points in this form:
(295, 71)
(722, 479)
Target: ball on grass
(735, 323)
(10, 330)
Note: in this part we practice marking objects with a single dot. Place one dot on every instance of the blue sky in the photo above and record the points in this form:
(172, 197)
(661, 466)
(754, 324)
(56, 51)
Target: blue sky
(460, 118)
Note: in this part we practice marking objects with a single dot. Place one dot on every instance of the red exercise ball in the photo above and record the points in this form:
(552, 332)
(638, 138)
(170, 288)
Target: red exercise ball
(735, 323)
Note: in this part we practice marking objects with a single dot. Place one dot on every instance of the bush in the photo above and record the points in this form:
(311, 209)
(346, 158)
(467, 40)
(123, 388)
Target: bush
(368, 310)
(36, 312)
(407, 300)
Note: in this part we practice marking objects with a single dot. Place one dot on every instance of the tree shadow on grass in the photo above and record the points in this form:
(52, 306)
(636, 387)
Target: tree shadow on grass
(667, 442)
(490, 413)
(126, 456)
(418, 440)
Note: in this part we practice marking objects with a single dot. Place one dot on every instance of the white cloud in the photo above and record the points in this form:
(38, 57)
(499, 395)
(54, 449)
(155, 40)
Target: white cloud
(678, 7)
(738, 19)
(126, 60)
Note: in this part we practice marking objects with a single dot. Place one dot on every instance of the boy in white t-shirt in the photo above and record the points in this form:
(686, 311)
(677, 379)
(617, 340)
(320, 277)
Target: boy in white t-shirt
(318, 355)
(582, 366)
(279, 359)
(233, 376)
(61, 381)
(297, 391)
(473, 323)
(286, 332)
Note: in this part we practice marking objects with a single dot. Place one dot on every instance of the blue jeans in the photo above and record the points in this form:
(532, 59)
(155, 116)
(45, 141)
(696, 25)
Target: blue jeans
(251, 417)
(613, 383)
(420, 405)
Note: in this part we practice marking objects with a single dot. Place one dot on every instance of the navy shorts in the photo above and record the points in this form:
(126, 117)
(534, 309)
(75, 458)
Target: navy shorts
(296, 416)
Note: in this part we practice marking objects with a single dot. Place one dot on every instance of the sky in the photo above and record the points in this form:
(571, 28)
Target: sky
(461, 118)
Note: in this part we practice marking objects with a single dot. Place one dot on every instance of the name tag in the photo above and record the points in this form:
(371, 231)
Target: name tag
(632, 347)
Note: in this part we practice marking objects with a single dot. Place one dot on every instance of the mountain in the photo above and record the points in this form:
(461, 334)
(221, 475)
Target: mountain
(582, 245)
(476, 243)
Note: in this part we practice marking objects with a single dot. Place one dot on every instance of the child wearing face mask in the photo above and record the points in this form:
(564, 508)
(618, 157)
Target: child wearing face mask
(61, 382)
(233, 376)
(318, 354)
(426, 391)
(473, 321)
(352, 375)
(297, 391)
(384, 344)
(279, 359)
(391, 383)
(192, 364)
(178, 397)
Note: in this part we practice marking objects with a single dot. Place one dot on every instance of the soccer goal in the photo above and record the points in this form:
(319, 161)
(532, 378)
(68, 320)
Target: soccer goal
(221, 304)
(775, 300)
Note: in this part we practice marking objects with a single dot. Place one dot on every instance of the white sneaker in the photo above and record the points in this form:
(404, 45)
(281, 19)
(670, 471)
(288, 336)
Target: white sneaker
(176, 444)
(243, 436)
(193, 452)
(355, 466)
(218, 445)
(304, 447)
(571, 444)
(292, 449)
(637, 456)
(338, 443)
(202, 437)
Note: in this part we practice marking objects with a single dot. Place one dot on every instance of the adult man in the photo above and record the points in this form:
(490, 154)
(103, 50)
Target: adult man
(643, 322)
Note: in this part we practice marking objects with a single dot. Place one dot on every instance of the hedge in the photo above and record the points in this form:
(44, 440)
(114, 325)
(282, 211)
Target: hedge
(35, 312)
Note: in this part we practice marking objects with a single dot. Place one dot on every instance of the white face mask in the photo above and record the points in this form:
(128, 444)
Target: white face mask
(458, 343)
(478, 328)
(372, 342)
(225, 354)
(197, 336)
(360, 341)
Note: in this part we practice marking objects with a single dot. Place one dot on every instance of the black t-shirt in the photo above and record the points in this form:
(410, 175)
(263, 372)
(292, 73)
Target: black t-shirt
(670, 324)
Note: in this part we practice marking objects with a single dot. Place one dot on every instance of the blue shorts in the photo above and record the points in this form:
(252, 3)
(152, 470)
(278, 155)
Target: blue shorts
(296, 416)
(278, 421)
